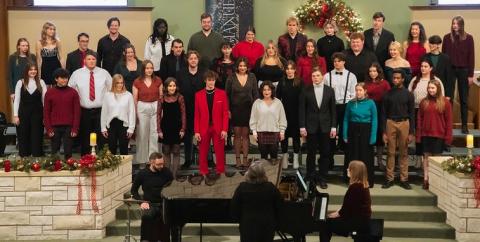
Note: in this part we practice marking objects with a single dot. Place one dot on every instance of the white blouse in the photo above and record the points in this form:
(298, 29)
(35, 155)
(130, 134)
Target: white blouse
(154, 52)
(31, 87)
(118, 106)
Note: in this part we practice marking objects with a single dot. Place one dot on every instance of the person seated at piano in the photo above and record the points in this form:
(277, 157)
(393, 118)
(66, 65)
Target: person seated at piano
(152, 179)
(355, 213)
(256, 203)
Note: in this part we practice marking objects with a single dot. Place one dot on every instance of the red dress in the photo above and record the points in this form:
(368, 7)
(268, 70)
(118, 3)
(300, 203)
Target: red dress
(251, 51)
(414, 54)
(305, 66)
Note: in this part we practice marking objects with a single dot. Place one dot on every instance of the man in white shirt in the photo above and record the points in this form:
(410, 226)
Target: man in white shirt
(343, 83)
(91, 83)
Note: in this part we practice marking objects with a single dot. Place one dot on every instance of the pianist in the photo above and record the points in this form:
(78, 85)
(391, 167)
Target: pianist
(354, 215)
(152, 179)
(255, 204)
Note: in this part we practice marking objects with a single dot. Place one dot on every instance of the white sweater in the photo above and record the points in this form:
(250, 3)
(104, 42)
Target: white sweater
(268, 118)
(154, 53)
(118, 106)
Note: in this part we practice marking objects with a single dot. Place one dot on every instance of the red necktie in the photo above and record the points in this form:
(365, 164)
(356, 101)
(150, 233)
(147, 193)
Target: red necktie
(92, 86)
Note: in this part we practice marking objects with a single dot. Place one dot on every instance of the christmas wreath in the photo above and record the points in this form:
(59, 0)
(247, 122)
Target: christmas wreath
(317, 12)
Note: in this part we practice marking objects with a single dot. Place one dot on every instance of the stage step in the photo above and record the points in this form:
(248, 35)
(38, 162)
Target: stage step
(409, 214)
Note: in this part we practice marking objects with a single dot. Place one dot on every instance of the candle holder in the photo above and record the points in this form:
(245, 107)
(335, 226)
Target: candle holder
(93, 150)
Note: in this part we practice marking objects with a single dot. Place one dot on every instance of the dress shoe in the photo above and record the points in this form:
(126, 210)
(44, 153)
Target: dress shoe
(426, 185)
(464, 129)
(387, 184)
(405, 185)
(323, 185)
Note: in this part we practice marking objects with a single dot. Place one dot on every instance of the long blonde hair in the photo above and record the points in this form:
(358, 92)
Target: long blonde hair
(115, 79)
(358, 173)
(276, 56)
(43, 39)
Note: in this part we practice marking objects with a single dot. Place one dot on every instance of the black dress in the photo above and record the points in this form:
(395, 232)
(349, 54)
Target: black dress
(50, 63)
(289, 95)
(171, 123)
(128, 76)
(241, 99)
(256, 207)
(327, 45)
(30, 129)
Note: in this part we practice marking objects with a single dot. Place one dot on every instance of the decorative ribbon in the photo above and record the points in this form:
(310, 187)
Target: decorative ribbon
(476, 179)
(87, 163)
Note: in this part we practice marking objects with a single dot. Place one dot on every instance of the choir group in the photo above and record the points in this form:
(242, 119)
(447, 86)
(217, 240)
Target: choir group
(377, 92)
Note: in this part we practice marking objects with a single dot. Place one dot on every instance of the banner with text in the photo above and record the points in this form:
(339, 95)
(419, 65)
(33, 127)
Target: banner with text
(231, 18)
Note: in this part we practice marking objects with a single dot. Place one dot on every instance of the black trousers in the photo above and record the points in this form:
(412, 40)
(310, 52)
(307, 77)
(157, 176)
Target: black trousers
(117, 137)
(90, 123)
(152, 228)
(188, 146)
(30, 133)
(320, 142)
(295, 143)
(359, 148)
(62, 133)
(462, 84)
(340, 109)
(268, 149)
(342, 227)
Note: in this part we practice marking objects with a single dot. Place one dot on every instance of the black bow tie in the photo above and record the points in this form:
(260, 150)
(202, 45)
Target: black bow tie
(338, 73)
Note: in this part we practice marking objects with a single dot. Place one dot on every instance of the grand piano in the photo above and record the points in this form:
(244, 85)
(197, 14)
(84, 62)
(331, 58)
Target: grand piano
(186, 203)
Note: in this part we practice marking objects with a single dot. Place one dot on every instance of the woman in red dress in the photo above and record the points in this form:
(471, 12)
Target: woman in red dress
(416, 46)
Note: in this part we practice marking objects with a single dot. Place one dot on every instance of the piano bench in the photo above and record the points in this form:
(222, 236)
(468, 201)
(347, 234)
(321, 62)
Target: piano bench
(375, 232)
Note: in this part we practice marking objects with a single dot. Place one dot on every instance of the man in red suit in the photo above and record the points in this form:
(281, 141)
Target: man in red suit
(211, 122)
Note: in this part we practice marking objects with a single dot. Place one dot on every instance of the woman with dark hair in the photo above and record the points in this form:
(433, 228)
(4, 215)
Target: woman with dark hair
(28, 112)
(129, 67)
(147, 89)
(249, 48)
(117, 120)
(330, 43)
(434, 125)
(376, 86)
(171, 123)
(418, 87)
(224, 66)
(360, 129)
(17, 63)
(241, 89)
(459, 46)
(308, 61)
(288, 92)
(268, 121)
(416, 46)
(271, 66)
(49, 53)
(355, 213)
(158, 44)
(256, 204)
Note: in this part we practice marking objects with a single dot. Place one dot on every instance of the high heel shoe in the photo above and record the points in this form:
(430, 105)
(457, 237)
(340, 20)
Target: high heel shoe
(425, 184)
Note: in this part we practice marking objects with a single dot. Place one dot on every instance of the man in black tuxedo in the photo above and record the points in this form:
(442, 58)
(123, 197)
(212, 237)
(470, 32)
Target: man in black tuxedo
(318, 124)
(442, 66)
(378, 39)
(76, 58)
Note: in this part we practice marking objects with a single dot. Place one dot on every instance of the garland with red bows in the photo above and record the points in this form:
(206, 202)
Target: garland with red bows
(476, 178)
(87, 166)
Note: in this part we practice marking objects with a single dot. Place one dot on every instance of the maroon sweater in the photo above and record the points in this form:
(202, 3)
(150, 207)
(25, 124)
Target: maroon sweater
(356, 203)
(461, 52)
(61, 107)
(431, 123)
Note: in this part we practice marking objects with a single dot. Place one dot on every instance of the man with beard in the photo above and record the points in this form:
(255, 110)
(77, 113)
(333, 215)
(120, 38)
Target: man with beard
(206, 42)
